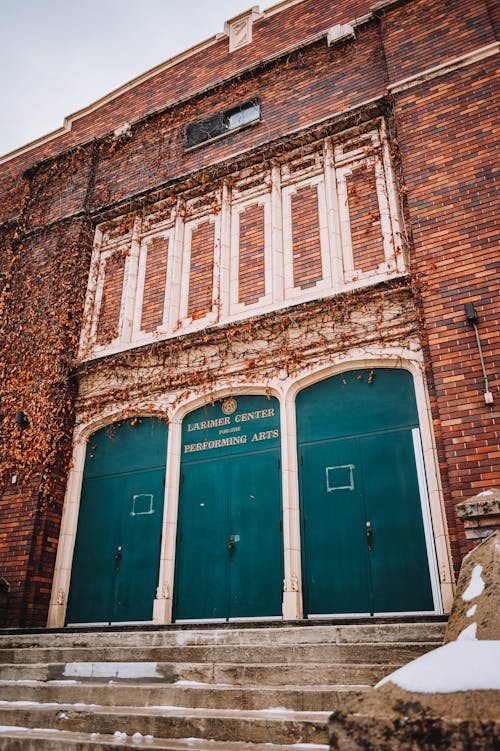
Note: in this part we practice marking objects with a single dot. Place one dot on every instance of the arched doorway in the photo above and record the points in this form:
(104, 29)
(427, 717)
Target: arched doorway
(229, 532)
(117, 550)
(363, 541)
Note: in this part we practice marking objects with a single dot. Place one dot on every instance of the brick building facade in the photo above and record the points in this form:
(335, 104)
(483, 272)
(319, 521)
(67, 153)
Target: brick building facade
(285, 219)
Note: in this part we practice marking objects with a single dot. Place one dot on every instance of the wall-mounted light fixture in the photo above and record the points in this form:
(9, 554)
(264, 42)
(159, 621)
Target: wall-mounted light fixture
(22, 419)
(471, 316)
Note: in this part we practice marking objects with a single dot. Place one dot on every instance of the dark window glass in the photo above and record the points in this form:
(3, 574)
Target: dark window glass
(223, 122)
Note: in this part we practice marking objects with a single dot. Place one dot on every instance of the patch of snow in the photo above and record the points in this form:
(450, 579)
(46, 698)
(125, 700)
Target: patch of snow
(149, 738)
(191, 683)
(19, 702)
(9, 682)
(111, 670)
(471, 611)
(166, 707)
(62, 716)
(485, 492)
(476, 584)
(12, 729)
(468, 633)
(137, 737)
(46, 730)
(119, 736)
(137, 670)
(458, 666)
(94, 736)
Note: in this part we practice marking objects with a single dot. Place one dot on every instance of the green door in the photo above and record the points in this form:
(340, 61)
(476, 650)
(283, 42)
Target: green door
(229, 536)
(363, 543)
(202, 542)
(117, 549)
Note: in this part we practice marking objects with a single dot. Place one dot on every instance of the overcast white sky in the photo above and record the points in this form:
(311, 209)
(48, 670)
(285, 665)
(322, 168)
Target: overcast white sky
(57, 56)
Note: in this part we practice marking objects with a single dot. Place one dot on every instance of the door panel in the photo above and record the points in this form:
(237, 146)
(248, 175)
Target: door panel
(93, 576)
(255, 568)
(363, 542)
(140, 540)
(229, 551)
(121, 511)
(398, 561)
(336, 576)
(202, 542)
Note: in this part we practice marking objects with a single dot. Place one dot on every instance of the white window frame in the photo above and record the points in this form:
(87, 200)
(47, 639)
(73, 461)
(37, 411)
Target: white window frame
(185, 320)
(238, 208)
(138, 332)
(326, 283)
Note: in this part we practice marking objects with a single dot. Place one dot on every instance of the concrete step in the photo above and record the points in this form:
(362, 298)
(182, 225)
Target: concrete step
(374, 632)
(244, 653)
(27, 739)
(236, 674)
(276, 726)
(300, 698)
(232, 688)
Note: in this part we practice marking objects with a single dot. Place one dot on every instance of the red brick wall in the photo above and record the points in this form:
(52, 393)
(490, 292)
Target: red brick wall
(201, 276)
(311, 87)
(364, 215)
(251, 279)
(306, 246)
(154, 283)
(449, 163)
(423, 33)
(41, 316)
(18, 505)
(109, 311)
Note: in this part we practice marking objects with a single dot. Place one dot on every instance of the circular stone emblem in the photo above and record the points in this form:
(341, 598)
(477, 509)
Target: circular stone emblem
(229, 406)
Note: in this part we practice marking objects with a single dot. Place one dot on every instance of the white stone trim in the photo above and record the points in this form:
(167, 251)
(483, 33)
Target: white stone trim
(455, 63)
(397, 257)
(239, 28)
(278, 279)
(67, 536)
(427, 520)
(382, 4)
(333, 217)
(86, 335)
(129, 297)
(175, 269)
(340, 33)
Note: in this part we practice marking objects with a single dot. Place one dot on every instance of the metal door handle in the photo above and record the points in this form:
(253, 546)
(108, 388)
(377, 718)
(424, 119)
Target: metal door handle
(118, 556)
(231, 546)
(369, 535)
